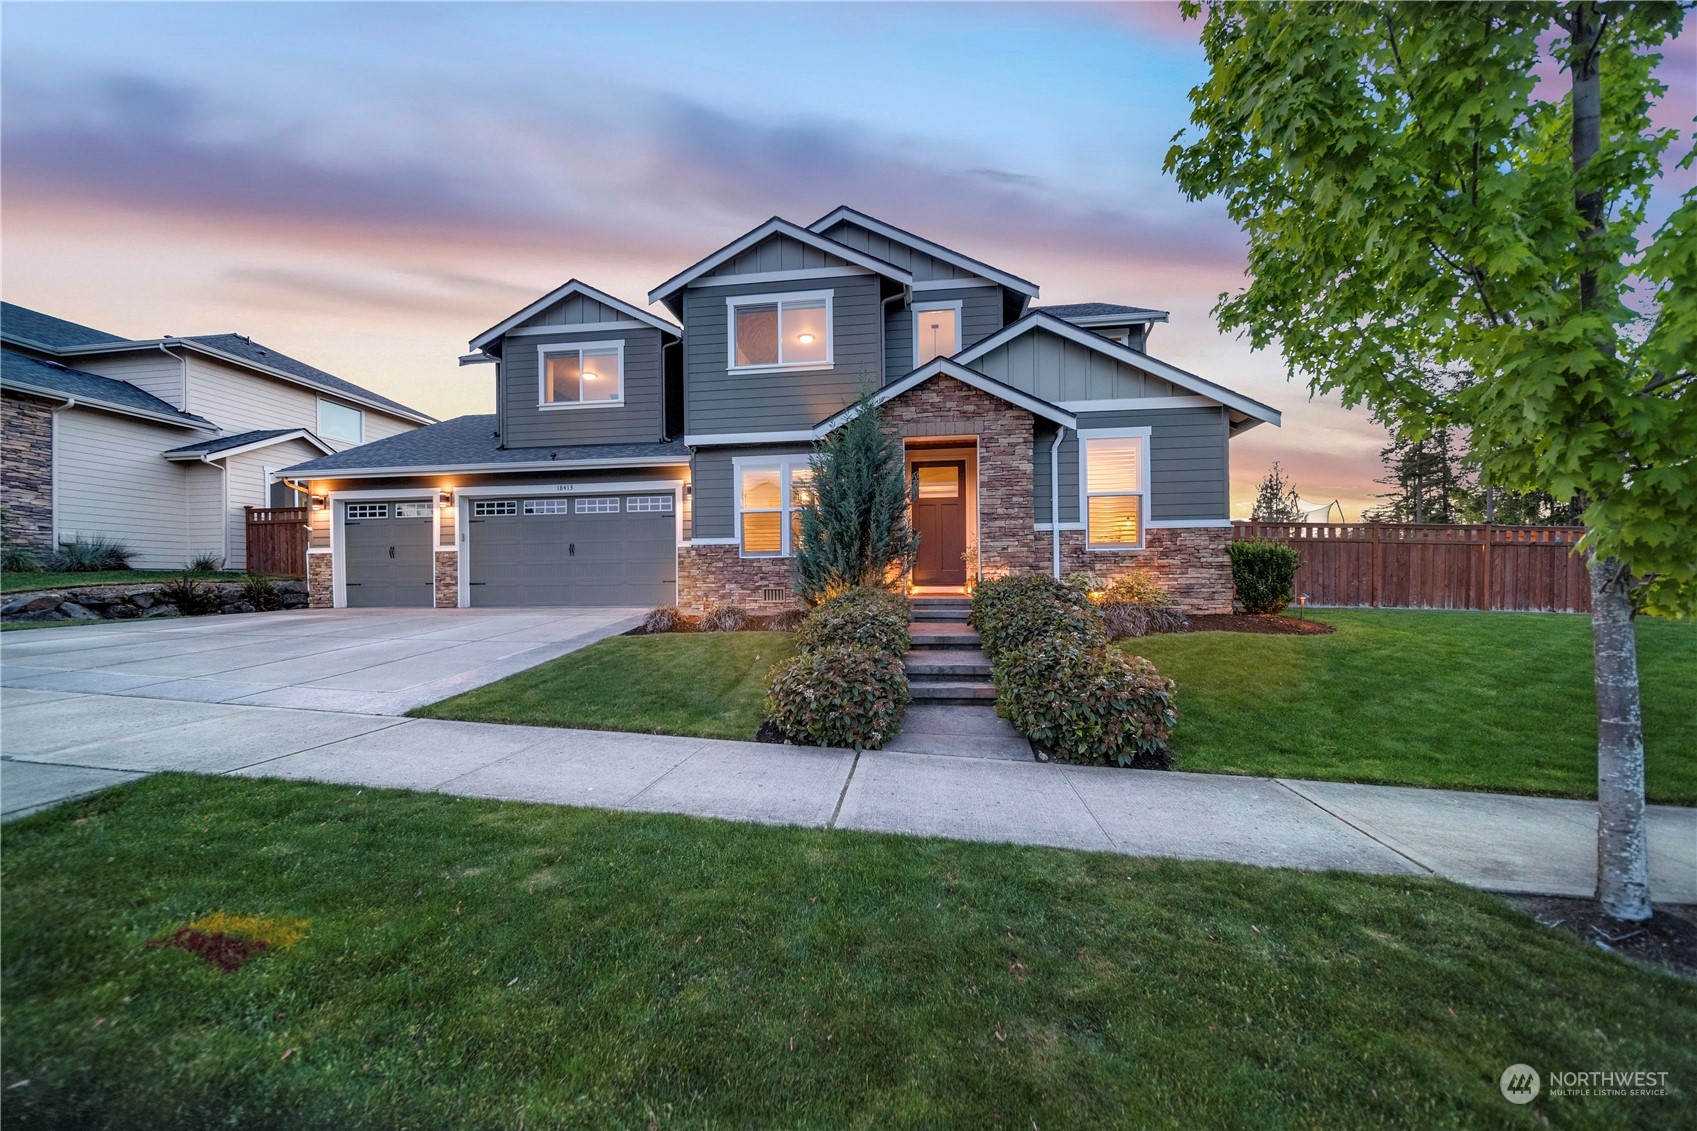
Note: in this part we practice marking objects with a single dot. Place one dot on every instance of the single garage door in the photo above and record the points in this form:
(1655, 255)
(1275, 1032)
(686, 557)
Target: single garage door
(387, 547)
(583, 550)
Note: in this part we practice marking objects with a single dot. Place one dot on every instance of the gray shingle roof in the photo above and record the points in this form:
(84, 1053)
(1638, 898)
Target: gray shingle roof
(22, 371)
(225, 443)
(23, 324)
(469, 441)
(1072, 310)
(249, 350)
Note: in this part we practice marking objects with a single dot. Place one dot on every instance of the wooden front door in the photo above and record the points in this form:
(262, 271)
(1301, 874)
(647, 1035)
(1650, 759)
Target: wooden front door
(939, 518)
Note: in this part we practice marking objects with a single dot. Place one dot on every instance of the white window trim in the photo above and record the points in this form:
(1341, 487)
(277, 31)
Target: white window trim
(579, 348)
(1084, 436)
(955, 305)
(359, 412)
(785, 467)
(734, 301)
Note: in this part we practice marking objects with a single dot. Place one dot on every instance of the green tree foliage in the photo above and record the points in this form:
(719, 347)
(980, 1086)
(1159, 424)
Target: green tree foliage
(1275, 498)
(1428, 478)
(854, 528)
(1412, 188)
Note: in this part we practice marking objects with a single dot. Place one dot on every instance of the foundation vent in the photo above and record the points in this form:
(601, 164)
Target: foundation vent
(773, 595)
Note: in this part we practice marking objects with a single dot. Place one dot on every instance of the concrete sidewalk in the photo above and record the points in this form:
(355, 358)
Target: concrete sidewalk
(61, 744)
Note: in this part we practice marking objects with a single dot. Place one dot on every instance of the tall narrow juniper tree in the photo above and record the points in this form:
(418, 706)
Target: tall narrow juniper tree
(1468, 184)
(854, 525)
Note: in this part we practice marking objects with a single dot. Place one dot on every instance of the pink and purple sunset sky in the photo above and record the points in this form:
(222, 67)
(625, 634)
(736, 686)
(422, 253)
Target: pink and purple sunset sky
(367, 186)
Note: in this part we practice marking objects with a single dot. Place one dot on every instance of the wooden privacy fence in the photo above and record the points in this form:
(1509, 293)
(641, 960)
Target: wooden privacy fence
(276, 540)
(1434, 566)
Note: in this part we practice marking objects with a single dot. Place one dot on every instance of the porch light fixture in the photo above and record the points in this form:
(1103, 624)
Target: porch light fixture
(316, 502)
(445, 500)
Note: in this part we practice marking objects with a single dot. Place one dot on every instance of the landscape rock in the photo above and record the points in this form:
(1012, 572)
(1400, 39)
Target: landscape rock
(123, 612)
(74, 611)
(162, 611)
(143, 600)
(32, 603)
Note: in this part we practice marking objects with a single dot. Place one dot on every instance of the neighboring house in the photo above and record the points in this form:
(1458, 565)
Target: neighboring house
(159, 444)
(634, 461)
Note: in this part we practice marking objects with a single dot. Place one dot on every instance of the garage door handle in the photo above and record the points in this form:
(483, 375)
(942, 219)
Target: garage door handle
(571, 549)
(391, 551)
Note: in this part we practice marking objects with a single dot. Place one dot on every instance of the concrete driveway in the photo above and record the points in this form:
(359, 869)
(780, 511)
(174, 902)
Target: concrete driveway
(363, 661)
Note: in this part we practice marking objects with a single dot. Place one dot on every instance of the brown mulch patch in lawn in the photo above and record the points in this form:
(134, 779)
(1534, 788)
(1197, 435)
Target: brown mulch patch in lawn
(1668, 939)
(226, 952)
(1272, 625)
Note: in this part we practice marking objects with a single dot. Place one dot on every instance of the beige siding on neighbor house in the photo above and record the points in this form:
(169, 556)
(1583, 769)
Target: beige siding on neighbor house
(246, 486)
(239, 401)
(152, 371)
(204, 509)
(111, 480)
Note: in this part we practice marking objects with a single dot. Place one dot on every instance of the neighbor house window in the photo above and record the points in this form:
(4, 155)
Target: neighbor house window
(1116, 489)
(770, 494)
(580, 375)
(780, 331)
(339, 422)
(936, 331)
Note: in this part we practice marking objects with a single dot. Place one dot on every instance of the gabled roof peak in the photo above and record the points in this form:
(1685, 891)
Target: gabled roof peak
(777, 225)
(920, 243)
(568, 289)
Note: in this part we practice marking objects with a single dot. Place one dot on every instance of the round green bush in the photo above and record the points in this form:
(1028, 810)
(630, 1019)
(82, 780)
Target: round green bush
(838, 696)
(874, 619)
(1010, 612)
(1088, 703)
(1264, 574)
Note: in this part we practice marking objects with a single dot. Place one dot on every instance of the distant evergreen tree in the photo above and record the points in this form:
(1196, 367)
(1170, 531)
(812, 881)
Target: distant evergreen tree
(1429, 480)
(1275, 499)
(854, 524)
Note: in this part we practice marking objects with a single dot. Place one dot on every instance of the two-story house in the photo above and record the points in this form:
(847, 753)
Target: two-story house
(635, 460)
(160, 444)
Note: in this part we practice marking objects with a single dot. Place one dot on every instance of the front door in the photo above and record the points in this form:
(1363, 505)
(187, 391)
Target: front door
(939, 518)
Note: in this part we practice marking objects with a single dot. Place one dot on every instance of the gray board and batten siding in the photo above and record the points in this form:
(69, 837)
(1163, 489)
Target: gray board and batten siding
(720, 402)
(712, 479)
(573, 310)
(1057, 370)
(637, 418)
(1189, 471)
(776, 253)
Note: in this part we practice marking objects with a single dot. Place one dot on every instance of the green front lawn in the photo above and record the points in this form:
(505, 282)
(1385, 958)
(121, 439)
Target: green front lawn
(488, 964)
(12, 582)
(708, 685)
(1492, 701)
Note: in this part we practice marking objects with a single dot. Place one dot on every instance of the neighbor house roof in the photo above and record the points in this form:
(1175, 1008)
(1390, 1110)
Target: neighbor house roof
(29, 327)
(222, 447)
(920, 243)
(1102, 313)
(1248, 408)
(468, 444)
(777, 225)
(250, 351)
(574, 287)
(23, 373)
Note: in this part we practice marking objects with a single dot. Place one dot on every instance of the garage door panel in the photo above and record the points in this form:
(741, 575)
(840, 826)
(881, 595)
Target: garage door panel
(387, 559)
(578, 551)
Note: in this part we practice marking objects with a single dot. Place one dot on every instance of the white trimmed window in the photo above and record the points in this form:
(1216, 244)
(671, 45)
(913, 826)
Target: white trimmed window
(494, 508)
(789, 331)
(547, 506)
(359, 512)
(1115, 478)
(339, 422)
(649, 504)
(769, 495)
(414, 510)
(936, 330)
(597, 506)
(580, 375)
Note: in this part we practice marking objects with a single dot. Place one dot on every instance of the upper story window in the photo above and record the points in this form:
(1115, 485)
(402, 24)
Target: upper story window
(936, 331)
(580, 375)
(339, 422)
(1116, 488)
(770, 494)
(790, 331)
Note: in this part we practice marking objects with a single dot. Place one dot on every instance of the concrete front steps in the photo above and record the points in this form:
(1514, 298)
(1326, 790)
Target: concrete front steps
(946, 667)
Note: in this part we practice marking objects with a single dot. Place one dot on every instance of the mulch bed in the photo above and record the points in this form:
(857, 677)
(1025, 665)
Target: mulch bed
(1272, 625)
(1668, 939)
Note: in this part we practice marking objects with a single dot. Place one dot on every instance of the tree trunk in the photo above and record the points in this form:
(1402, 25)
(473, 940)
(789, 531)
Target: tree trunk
(1623, 847)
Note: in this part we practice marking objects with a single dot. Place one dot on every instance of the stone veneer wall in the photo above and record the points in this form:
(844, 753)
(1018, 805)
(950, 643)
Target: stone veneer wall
(1189, 562)
(320, 583)
(719, 575)
(26, 471)
(447, 579)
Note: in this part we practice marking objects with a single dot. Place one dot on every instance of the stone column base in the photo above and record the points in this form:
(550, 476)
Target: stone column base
(320, 581)
(447, 579)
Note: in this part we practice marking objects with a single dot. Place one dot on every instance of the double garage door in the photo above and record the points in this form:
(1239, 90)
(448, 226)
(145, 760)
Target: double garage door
(559, 550)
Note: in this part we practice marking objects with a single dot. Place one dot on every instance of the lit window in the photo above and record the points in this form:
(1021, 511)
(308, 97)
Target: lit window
(936, 332)
(339, 422)
(769, 498)
(1115, 489)
(773, 331)
(584, 374)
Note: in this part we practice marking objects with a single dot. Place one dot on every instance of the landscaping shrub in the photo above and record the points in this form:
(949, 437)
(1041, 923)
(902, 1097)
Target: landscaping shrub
(206, 563)
(666, 618)
(1264, 574)
(863, 617)
(262, 593)
(19, 559)
(838, 697)
(1122, 620)
(724, 618)
(192, 598)
(786, 620)
(1082, 701)
(91, 555)
(1010, 612)
(1136, 588)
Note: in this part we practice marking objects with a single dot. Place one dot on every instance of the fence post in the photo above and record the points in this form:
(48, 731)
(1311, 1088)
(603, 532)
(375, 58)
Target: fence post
(1373, 530)
(1487, 602)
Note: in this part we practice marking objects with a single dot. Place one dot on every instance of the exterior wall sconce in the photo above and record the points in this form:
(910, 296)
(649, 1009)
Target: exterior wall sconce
(445, 500)
(317, 502)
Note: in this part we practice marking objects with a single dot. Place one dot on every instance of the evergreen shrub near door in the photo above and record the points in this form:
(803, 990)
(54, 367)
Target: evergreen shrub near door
(875, 619)
(848, 687)
(1012, 611)
(1264, 575)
